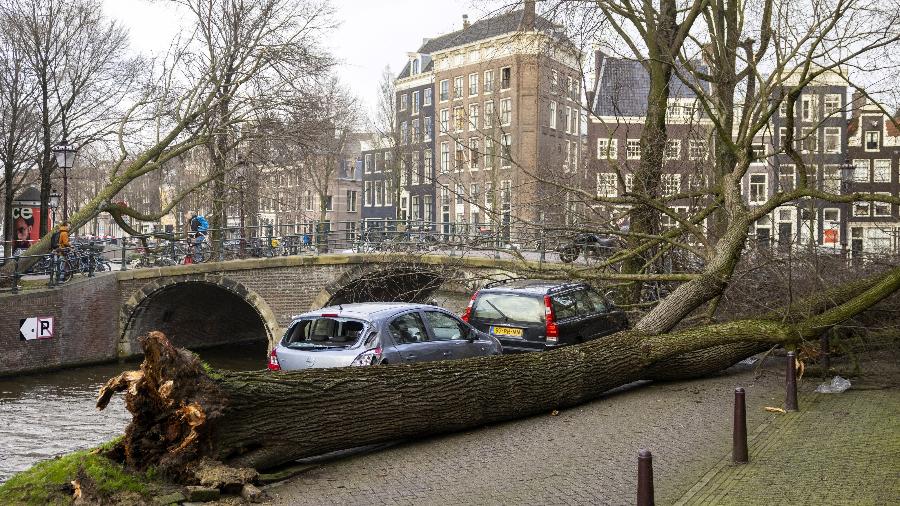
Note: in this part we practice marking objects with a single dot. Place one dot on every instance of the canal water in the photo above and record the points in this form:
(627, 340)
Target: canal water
(44, 415)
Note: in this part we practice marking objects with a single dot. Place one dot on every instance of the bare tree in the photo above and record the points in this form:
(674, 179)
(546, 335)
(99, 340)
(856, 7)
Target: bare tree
(77, 62)
(189, 89)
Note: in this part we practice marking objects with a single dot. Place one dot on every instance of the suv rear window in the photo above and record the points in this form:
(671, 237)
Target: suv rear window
(324, 332)
(508, 307)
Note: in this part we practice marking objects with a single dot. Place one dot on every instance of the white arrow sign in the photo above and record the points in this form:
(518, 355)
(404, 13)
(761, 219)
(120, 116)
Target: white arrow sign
(28, 330)
(36, 328)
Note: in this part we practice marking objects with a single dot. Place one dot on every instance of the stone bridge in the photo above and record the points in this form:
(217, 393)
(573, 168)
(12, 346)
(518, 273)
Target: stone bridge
(208, 304)
(99, 319)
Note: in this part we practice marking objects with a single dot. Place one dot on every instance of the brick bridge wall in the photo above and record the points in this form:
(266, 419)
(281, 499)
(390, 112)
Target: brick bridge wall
(99, 319)
(86, 315)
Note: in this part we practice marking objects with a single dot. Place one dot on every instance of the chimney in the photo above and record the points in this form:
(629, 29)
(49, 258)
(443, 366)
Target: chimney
(465, 21)
(857, 103)
(528, 16)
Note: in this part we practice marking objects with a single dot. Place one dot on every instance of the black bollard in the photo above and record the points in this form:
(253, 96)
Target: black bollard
(790, 395)
(645, 478)
(739, 435)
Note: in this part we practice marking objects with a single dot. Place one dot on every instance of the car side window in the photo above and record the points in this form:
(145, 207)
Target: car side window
(445, 327)
(564, 305)
(600, 304)
(408, 328)
(584, 306)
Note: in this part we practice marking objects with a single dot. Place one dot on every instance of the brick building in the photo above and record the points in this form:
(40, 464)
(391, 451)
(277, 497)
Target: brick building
(504, 114)
(874, 149)
(615, 128)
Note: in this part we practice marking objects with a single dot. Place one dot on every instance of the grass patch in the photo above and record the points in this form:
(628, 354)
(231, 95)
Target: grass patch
(48, 482)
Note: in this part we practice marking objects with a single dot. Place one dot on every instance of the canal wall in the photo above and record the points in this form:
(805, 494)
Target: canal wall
(84, 316)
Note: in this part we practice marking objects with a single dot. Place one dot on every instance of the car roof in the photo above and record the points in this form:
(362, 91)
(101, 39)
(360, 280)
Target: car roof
(365, 310)
(532, 286)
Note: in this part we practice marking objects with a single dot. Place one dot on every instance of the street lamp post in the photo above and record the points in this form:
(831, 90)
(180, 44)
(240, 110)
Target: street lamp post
(846, 179)
(240, 182)
(65, 159)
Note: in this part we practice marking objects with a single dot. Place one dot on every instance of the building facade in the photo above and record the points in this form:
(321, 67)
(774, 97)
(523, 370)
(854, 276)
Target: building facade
(874, 150)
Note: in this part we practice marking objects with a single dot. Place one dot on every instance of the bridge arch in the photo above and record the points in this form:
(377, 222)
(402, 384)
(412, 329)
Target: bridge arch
(195, 312)
(402, 282)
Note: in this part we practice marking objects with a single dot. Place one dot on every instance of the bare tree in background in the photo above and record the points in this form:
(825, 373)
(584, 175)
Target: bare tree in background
(187, 96)
(77, 61)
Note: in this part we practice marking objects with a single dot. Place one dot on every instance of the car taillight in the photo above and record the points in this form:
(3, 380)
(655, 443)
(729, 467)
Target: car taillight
(368, 357)
(273, 361)
(468, 313)
(551, 328)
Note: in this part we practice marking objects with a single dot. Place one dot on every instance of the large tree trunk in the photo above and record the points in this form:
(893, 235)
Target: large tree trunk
(184, 412)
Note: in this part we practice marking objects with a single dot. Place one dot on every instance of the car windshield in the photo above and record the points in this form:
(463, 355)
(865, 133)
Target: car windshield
(508, 307)
(322, 332)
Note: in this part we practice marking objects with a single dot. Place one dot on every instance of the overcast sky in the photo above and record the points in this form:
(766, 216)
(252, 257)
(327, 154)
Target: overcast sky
(372, 34)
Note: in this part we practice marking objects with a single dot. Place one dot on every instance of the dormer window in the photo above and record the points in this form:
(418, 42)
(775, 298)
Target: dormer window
(415, 66)
(872, 141)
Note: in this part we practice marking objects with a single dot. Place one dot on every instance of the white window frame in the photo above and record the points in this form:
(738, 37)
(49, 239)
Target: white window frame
(445, 121)
(506, 151)
(862, 170)
(473, 83)
(458, 87)
(605, 143)
(488, 121)
(877, 136)
(568, 118)
(632, 149)
(862, 209)
(488, 85)
(698, 144)
(505, 112)
(473, 116)
(671, 184)
(445, 157)
(444, 85)
(832, 104)
(832, 134)
(607, 184)
(760, 189)
(474, 153)
(673, 149)
(428, 97)
(883, 164)
(883, 205)
(404, 101)
(553, 114)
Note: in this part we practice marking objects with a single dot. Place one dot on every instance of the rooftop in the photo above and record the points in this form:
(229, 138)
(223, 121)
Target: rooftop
(624, 85)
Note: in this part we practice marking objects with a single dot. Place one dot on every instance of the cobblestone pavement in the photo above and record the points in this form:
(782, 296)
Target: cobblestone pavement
(586, 455)
(839, 449)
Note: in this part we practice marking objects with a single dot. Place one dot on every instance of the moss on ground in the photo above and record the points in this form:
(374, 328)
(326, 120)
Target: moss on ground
(49, 482)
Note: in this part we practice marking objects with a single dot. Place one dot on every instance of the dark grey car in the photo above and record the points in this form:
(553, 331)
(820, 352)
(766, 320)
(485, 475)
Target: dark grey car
(378, 333)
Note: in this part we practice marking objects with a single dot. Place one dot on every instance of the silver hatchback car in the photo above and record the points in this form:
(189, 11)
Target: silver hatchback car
(377, 333)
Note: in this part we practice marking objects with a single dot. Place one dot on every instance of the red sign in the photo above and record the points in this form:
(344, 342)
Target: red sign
(831, 236)
(27, 226)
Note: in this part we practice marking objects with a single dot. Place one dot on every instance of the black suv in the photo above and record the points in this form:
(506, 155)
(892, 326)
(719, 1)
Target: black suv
(536, 315)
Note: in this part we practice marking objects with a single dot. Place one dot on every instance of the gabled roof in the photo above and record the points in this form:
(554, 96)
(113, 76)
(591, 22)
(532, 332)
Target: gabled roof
(624, 84)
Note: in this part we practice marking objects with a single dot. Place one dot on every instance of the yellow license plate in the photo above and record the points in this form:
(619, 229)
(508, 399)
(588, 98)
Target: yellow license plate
(506, 331)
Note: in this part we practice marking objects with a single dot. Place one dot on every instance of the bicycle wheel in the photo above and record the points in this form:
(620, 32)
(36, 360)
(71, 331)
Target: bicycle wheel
(568, 254)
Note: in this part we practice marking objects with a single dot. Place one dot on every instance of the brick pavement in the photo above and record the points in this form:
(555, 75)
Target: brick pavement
(839, 449)
(586, 455)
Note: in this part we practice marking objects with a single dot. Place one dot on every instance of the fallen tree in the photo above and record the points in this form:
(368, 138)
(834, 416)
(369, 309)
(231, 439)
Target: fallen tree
(184, 412)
